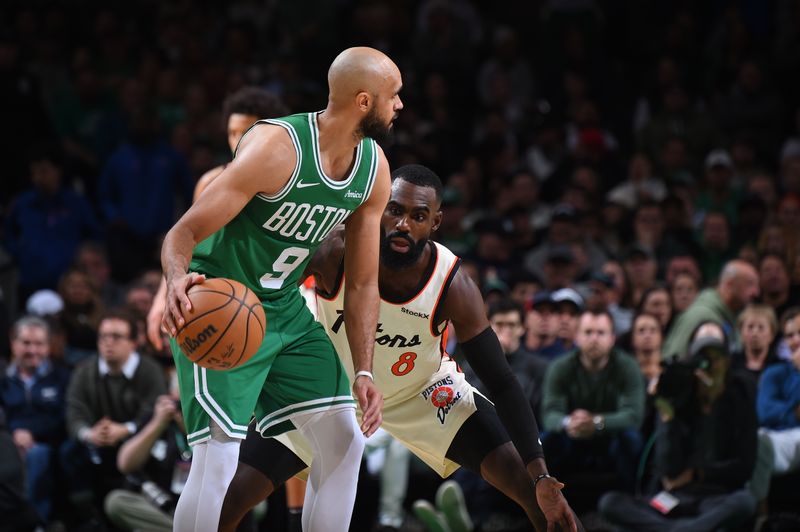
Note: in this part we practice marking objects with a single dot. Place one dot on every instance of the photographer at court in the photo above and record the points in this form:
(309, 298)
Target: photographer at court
(156, 463)
(705, 448)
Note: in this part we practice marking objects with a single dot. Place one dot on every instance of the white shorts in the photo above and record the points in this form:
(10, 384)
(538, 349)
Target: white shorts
(425, 421)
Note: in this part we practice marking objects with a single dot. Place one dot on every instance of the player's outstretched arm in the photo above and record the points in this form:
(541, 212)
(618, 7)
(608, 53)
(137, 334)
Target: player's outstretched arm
(361, 297)
(463, 305)
(264, 161)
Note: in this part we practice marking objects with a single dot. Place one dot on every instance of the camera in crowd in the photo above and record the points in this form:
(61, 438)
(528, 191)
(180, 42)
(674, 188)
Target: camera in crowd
(677, 385)
(152, 492)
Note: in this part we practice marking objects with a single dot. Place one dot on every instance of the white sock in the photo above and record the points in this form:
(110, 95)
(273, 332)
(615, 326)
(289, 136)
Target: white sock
(338, 444)
(186, 510)
(209, 476)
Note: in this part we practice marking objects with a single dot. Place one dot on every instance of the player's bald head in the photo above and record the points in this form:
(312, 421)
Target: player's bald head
(360, 69)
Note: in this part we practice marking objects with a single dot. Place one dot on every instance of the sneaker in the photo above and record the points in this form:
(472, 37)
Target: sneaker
(450, 501)
(433, 519)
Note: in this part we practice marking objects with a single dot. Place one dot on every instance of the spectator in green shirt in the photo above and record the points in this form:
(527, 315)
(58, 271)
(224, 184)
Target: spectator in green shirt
(593, 405)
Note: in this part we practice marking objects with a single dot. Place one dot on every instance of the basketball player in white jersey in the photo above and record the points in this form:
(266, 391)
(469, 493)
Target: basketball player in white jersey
(428, 405)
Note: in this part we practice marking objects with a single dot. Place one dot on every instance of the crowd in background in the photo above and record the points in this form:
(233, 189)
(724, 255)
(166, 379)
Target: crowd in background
(637, 160)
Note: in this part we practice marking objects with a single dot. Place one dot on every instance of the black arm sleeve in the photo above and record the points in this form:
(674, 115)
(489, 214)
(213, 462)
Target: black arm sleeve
(485, 356)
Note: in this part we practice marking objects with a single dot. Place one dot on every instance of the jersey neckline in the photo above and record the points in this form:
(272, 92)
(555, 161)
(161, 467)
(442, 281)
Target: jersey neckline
(338, 185)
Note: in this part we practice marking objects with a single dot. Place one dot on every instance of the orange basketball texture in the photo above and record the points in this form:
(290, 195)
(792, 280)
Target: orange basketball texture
(225, 327)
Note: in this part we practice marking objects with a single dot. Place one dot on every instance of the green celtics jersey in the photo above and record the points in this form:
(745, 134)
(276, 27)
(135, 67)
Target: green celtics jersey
(268, 244)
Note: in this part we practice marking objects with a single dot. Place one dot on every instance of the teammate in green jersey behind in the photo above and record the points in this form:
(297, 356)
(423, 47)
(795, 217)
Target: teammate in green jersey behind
(291, 182)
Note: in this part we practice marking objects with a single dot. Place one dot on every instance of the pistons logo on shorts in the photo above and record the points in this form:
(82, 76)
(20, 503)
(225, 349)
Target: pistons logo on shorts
(442, 396)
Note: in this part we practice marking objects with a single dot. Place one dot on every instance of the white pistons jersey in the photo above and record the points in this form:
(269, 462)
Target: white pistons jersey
(408, 344)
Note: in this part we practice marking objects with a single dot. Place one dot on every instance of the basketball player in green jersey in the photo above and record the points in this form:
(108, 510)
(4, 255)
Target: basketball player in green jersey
(291, 182)
(240, 110)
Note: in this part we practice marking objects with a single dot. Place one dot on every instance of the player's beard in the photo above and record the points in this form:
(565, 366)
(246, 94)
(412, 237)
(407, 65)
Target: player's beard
(371, 126)
(396, 260)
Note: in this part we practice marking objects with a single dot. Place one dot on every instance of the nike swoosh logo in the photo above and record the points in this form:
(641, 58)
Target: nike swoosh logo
(300, 184)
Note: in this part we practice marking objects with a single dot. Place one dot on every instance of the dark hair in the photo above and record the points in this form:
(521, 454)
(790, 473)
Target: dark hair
(657, 287)
(601, 312)
(419, 175)
(253, 101)
(505, 305)
(122, 314)
(788, 315)
(780, 259)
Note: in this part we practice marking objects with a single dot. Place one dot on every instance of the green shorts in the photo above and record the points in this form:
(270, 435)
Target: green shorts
(296, 370)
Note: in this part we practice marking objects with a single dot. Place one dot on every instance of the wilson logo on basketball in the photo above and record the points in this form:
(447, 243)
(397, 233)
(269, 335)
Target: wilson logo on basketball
(191, 344)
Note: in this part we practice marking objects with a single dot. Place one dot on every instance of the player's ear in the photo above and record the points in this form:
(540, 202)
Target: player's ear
(437, 221)
(363, 101)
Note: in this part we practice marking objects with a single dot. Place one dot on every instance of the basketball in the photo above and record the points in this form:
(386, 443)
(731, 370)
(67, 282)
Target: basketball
(225, 327)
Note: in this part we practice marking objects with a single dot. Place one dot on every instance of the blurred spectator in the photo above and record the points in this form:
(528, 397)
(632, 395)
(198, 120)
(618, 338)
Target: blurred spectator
(564, 230)
(678, 117)
(758, 328)
(718, 194)
(646, 340)
(81, 315)
(569, 305)
(45, 225)
(156, 464)
(33, 393)
(541, 327)
(523, 285)
(779, 400)
(18, 513)
(641, 184)
(593, 405)
(776, 288)
(110, 398)
(641, 268)
(138, 188)
(505, 317)
(683, 291)
(657, 302)
(92, 259)
(738, 286)
(715, 238)
(619, 298)
(705, 449)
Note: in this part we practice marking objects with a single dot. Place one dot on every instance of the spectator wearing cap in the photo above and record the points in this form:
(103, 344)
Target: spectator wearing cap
(32, 393)
(593, 405)
(560, 269)
(737, 287)
(541, 327)
(598, 291)
(641, 267)
(569, 305)
(718, 193)
(565, 230)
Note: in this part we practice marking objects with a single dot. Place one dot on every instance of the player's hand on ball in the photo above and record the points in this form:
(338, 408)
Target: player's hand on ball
(554, 506)
(370, 399)
(178, 301)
